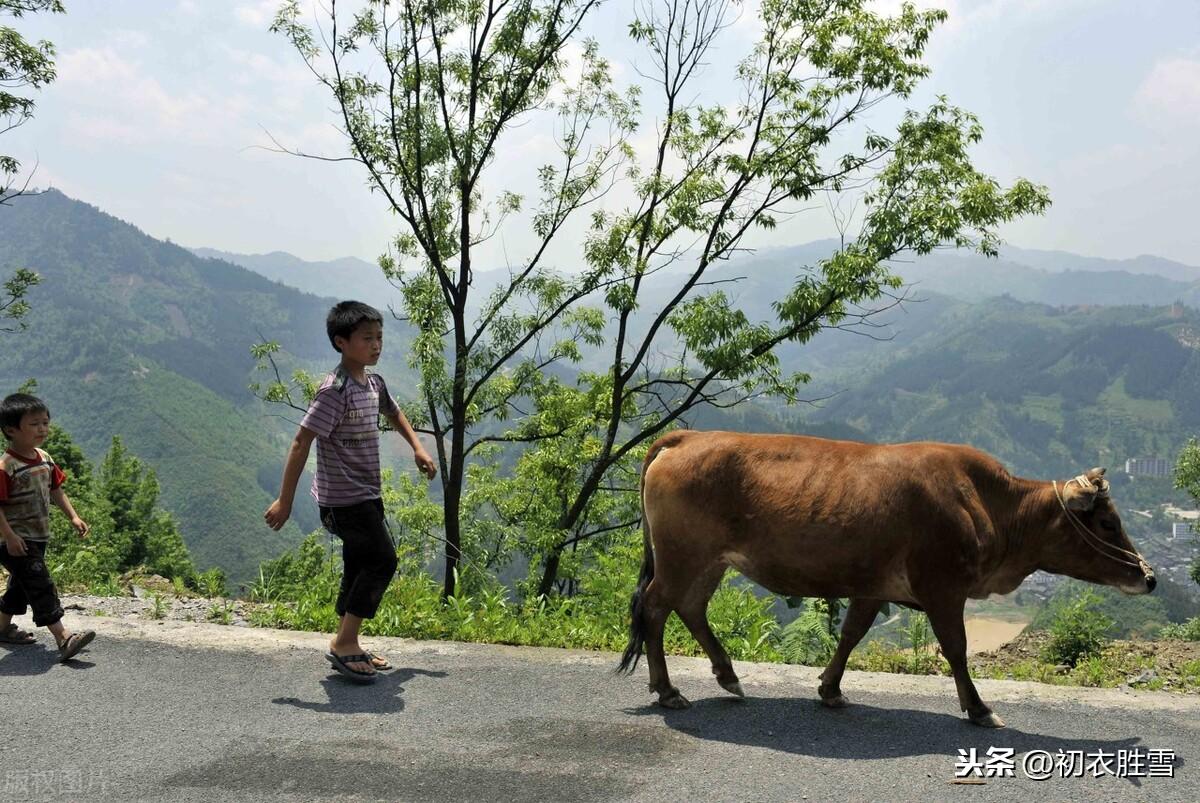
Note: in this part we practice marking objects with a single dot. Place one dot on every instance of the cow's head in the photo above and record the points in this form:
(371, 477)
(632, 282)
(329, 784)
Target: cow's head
(1088, 542)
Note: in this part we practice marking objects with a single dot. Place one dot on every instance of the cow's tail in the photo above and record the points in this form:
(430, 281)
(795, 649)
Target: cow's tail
(637, 622)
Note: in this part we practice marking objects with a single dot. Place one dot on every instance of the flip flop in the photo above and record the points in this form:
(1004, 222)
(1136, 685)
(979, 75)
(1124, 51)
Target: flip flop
(341, 664)
(73, 644)
(380, 663)
(11, 634)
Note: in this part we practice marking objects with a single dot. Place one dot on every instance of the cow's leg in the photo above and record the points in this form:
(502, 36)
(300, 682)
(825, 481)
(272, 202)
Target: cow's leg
(655, 611)
(946, 619)
(694, 613)
(859, 618)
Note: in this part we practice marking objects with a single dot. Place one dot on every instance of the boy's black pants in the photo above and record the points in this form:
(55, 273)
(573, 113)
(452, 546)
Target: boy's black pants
(29, 585)
(368, 555)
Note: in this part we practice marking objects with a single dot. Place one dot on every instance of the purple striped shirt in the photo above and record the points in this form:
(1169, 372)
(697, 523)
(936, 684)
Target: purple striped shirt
(344, 415)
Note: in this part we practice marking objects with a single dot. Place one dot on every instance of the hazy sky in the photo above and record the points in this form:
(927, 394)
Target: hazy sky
(159, 105)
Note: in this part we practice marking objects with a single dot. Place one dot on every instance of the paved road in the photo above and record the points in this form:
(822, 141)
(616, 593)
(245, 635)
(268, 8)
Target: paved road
(176, 711)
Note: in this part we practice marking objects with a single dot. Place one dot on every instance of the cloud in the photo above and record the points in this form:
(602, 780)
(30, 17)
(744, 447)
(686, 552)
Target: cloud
(257, 15)
(1170, 94)
(116, 99)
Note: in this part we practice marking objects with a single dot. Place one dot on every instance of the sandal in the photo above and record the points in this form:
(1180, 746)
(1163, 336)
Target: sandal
(73, 643)
(11, 634)
(380, 663)
(341, 664)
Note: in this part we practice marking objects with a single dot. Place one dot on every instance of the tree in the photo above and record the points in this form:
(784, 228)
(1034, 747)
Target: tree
(1187, 478)
(128, 528)
(23, 65)
(443, 81)
(718, 174)
(148, 536)
(456, 76)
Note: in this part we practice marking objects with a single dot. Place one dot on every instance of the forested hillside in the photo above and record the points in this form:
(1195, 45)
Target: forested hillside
(139, 338)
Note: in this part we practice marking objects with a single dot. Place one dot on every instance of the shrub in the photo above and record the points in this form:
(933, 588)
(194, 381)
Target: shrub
(1078, 630)
(1184, 631)
(806, 639)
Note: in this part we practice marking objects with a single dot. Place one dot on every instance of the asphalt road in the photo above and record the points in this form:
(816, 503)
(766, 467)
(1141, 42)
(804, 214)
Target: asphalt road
(176, 711)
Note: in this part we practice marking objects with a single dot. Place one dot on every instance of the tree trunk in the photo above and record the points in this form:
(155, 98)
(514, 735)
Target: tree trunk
(451, 506)
(550, 573)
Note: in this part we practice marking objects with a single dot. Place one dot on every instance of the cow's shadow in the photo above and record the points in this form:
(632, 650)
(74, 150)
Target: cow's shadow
(381, 696)
(861, 731)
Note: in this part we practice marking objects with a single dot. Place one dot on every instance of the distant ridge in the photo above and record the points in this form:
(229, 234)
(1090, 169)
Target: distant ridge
(347, 277)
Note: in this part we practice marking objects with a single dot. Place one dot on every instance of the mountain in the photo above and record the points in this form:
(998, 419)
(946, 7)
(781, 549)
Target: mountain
(1043, 277)
(144, 339)
(140, 338)
(1144, 265)
(348, 277)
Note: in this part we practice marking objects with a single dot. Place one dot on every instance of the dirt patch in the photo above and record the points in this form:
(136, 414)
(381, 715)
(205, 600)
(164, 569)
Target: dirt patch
(985, 633)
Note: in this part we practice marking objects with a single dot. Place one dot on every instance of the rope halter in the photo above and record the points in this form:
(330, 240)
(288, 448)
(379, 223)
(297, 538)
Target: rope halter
(1097, 543)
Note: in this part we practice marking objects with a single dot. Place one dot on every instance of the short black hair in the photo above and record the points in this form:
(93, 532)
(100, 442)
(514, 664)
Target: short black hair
(18, 405)
(346, 316)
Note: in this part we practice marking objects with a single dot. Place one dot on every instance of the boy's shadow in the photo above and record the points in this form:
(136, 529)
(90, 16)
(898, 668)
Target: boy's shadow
(23, 660)
(381, 696)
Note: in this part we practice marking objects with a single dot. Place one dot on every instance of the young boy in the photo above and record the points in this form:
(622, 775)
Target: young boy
(344, 420)
(29, 482)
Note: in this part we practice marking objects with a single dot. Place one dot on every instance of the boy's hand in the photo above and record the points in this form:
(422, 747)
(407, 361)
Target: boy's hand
(425, 463)
(277, 514)
(81, 527)
(15, 545)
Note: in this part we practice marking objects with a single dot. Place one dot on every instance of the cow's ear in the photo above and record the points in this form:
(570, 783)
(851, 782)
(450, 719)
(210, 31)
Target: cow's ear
(1080, 493)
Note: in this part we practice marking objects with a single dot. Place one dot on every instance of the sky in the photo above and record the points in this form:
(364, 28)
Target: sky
(164, 111)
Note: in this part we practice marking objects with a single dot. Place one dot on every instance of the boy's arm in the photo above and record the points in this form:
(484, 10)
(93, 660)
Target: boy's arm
(59, 497)
(425, 463)
(279, 511)
(14, 543)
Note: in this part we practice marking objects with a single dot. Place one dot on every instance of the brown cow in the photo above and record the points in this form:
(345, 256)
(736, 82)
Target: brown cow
(926, 525)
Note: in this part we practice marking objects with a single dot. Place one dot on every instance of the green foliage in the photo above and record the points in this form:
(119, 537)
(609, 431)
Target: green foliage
(1187, 478)
(221, 612)
(1139, 616)
(211, 583)
(1077, 630)
(806, 639)
(302, 587)
(876, 656)
(712, 174)
(13, 305)
(1183, 631)
(128, 528)
(160, 606)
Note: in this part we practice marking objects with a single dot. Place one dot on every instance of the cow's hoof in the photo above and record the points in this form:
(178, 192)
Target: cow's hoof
(988, 720)
(674, 700)
(836, 701)
(733, 687)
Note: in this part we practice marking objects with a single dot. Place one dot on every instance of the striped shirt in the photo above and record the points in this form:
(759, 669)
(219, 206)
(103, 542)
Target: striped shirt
(25, 487)
(344, 416)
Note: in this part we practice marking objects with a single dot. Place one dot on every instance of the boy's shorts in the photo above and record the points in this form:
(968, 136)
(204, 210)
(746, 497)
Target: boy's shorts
(368, 555)
(30, 585)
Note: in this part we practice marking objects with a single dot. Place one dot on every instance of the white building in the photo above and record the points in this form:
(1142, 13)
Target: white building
(1148, 467)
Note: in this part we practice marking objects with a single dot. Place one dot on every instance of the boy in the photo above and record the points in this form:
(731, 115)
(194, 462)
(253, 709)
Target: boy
(29, 482)
(344, 420)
